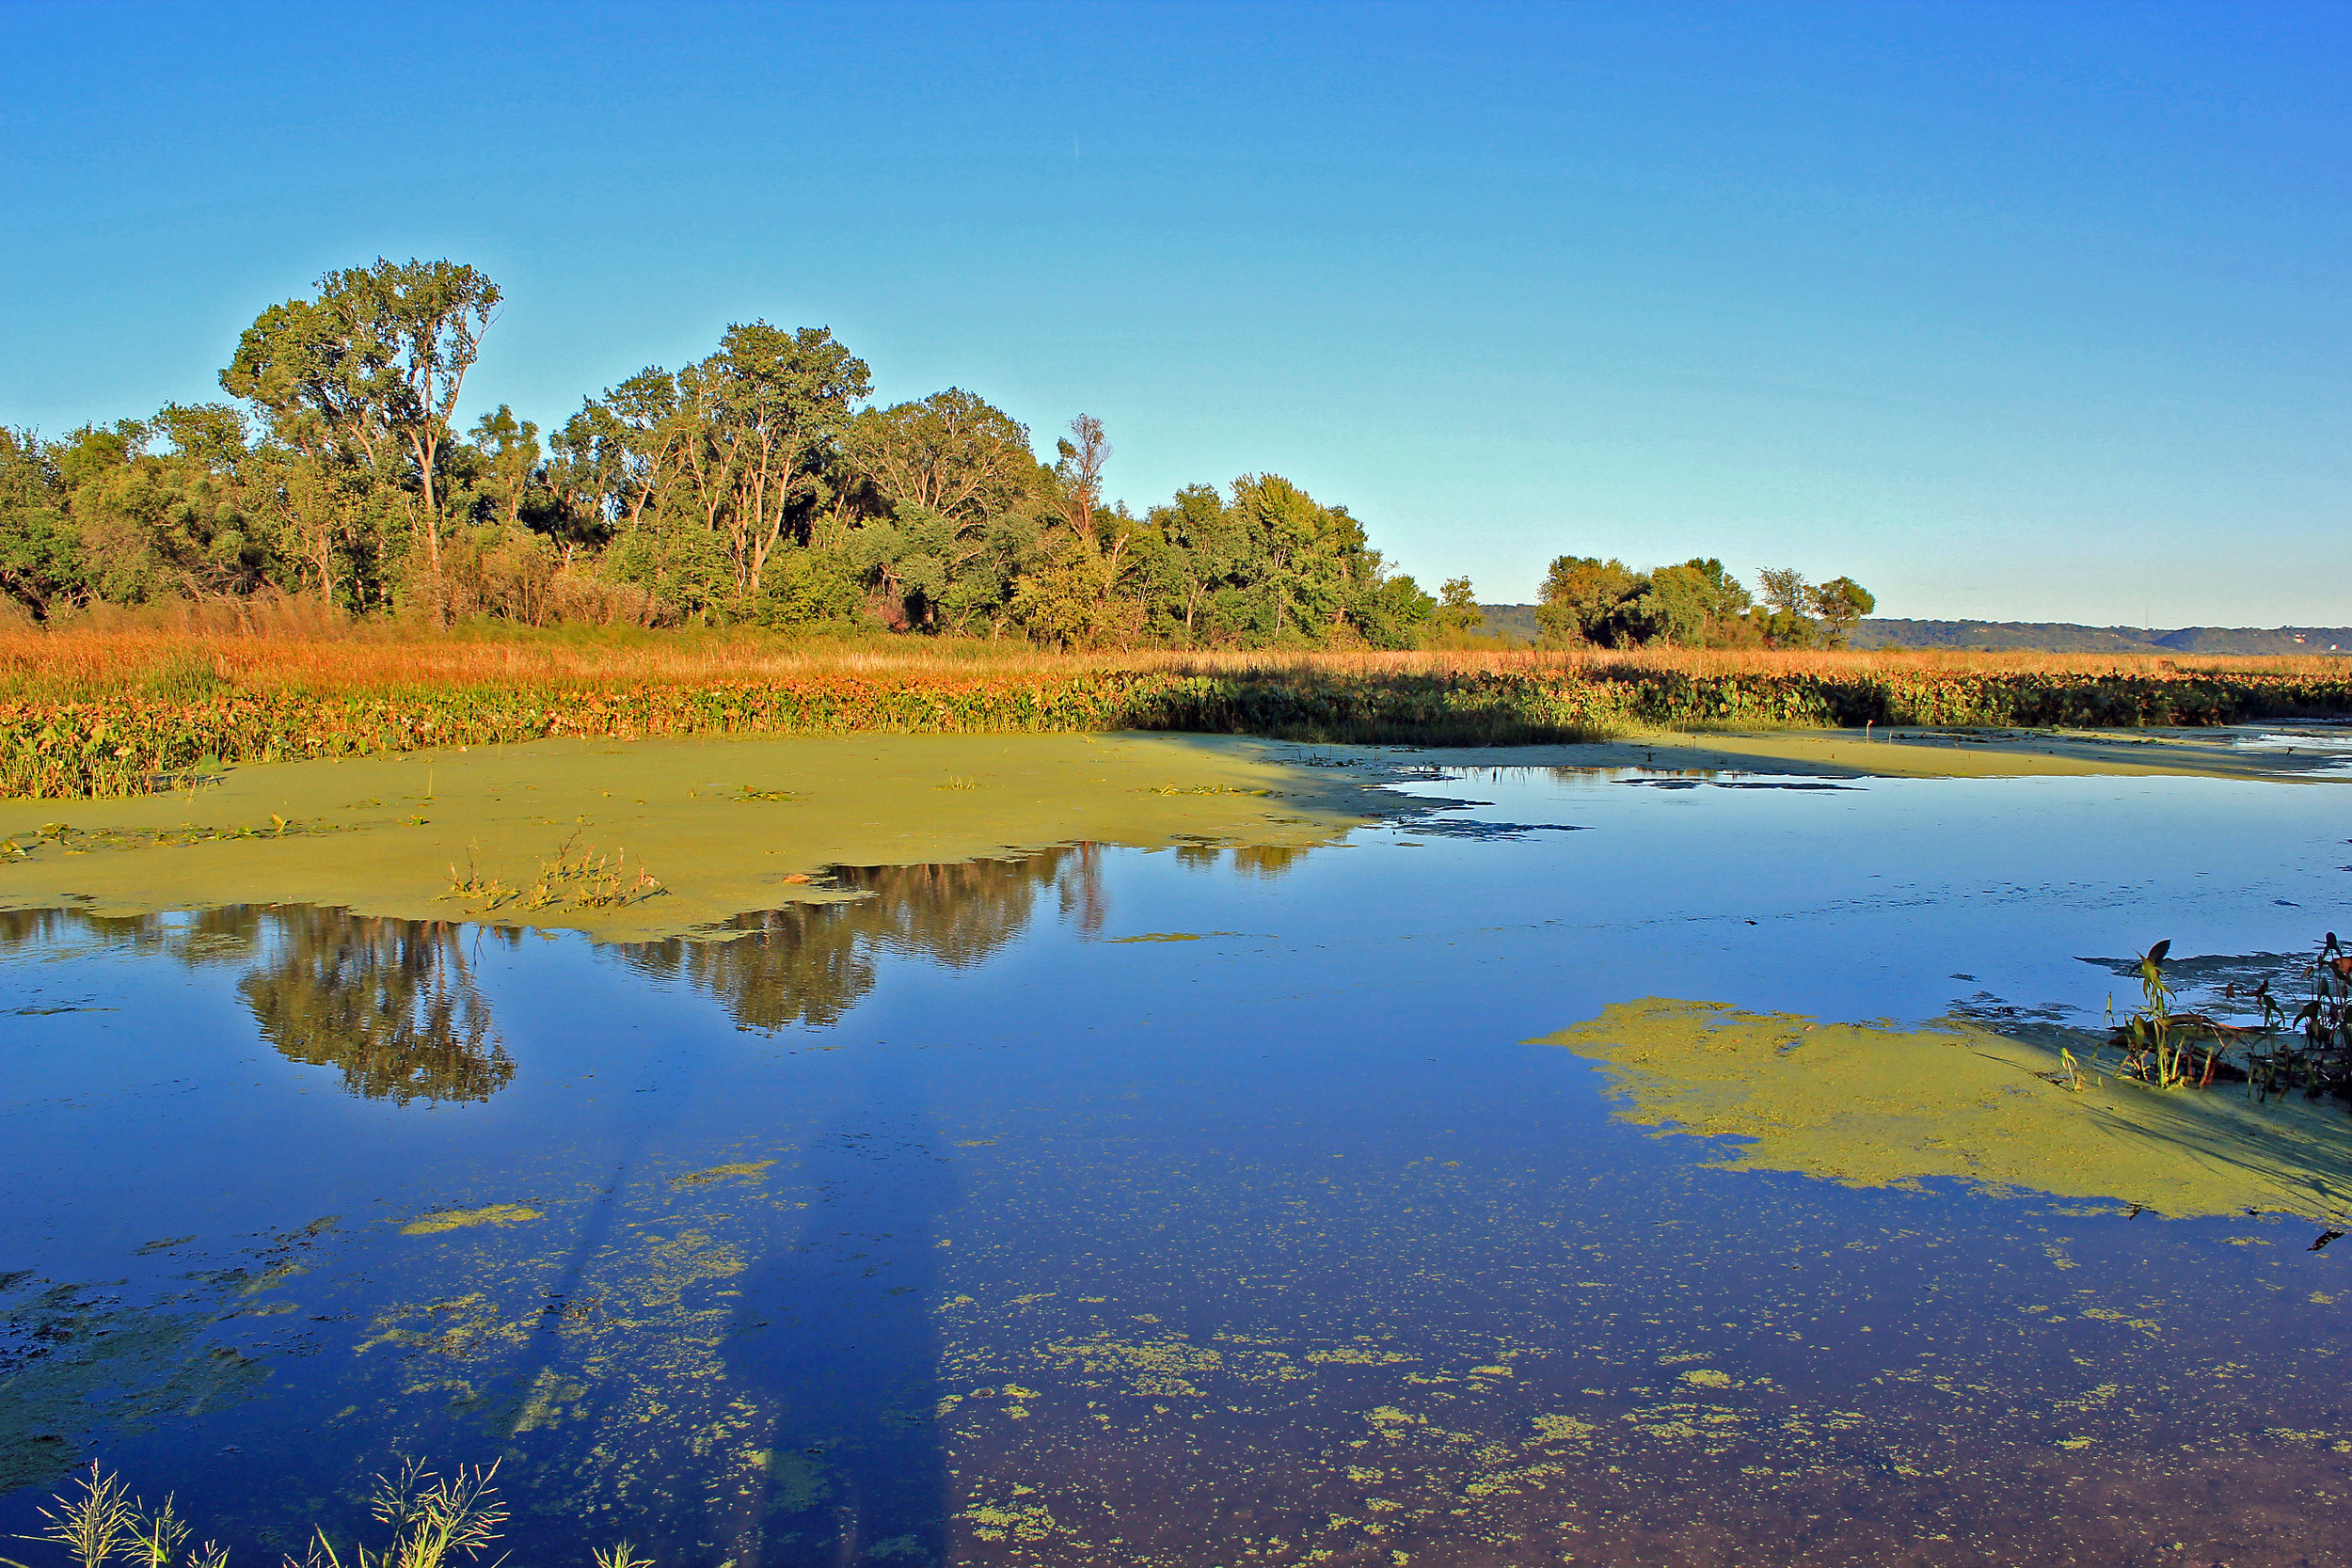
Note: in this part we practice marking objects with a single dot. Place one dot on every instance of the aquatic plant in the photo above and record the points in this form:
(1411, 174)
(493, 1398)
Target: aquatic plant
(2152, 1054)
(104, 1522)
(79, 719)
(589, 880)
(2317, 1055)
(2310, 1050)
(433, 1517)
(434, 1520)
(486, 893)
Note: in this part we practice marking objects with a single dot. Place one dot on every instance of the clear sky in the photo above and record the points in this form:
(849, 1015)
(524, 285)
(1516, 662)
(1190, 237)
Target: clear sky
(2032, 311)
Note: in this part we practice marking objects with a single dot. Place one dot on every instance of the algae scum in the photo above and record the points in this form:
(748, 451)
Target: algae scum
(1222, 1204)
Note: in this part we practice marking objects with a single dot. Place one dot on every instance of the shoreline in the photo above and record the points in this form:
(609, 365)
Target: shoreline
(576, 834)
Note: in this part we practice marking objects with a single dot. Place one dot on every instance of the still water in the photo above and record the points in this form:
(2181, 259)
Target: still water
(1202, 1207)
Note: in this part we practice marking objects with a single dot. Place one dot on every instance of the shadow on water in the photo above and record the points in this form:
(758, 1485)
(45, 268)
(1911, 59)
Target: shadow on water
(710, 1352)
(838, 1331)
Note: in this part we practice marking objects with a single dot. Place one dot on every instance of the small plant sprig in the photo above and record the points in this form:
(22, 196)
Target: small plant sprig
(487, 892)
(436, 1519)
(104, 1522)
(590, 881)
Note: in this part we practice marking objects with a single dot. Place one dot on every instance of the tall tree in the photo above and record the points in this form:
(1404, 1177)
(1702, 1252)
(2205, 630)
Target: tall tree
(509, 450)
(378, 361)
(1080, 471)
(1841, 602)
(1458, 608)
(953, 452)
(775, 405)
(948, 469)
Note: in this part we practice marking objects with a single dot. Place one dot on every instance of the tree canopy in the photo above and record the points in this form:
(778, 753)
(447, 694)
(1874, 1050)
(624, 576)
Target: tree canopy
(757, 485)
(1697, 604)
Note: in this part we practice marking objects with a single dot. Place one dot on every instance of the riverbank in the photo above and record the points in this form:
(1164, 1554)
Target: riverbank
(634, 840)
(122, 716)
(654, 838)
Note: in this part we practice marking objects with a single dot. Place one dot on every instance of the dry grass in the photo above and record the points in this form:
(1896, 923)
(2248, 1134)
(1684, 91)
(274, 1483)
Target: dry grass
(86, 661)
(119, 707)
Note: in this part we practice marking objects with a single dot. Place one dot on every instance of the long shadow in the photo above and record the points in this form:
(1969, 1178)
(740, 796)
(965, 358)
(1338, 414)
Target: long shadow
(838, 1333)
(834, 1332)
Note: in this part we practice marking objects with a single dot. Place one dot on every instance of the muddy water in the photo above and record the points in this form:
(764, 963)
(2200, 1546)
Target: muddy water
(1203, 1206)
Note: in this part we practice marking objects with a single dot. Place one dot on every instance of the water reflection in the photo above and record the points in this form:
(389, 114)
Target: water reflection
(1275, 1249)
(811, 963)
(393, 1004)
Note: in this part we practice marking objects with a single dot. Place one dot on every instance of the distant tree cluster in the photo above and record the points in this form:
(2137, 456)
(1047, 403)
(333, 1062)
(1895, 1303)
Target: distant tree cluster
(1588, 600)
(757, 485)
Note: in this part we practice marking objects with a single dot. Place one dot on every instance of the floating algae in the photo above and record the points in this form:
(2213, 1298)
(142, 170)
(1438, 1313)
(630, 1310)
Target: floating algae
(463, 1219)
(73, 1359)
(751, 1168)
(632, 843)
(1872, 1107)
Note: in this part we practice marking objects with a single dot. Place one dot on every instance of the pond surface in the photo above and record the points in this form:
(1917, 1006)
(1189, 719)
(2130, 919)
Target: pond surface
(1194, 1207)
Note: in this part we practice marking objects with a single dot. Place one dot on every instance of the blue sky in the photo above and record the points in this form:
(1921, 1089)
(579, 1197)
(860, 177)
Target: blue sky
(2022, 311)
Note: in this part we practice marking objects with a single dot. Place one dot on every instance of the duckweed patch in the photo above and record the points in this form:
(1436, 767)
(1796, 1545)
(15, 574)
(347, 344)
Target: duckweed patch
(534, 835)
(1870, 1107)
(466, 1219)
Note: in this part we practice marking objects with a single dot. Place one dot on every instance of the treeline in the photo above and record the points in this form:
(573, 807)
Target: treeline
(754, 485)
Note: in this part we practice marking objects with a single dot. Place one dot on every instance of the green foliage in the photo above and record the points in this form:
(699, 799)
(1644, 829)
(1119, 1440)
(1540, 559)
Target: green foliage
(1841, 602)
(1695, 605)
(40, 554)
(751, 484)
(366, 377)
(803, 588)
(1580, 599)
(1458, 611)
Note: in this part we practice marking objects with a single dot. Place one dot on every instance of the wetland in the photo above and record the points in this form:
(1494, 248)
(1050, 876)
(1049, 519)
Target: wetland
(1187, 1151)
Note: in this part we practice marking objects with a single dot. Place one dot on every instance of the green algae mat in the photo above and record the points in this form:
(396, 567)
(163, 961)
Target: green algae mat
(642, 839)
(1869, 1106)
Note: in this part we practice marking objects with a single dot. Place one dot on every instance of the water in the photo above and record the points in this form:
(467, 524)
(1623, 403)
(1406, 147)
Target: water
(960, 1224)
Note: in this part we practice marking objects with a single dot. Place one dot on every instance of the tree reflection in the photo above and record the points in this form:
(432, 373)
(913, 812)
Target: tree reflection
(391, 1002)
(394, 1004)
(811, 963)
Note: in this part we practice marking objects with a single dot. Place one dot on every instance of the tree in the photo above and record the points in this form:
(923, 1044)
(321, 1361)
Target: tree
(948, 469)
(1786, 590)
(1841, 602)
(1839, 605)
(1457, 609)
(41, 556)
(370, 372)
(1695, 605)
(1391, 611)
(1300, 556)
(509, 453)
(1579, 600)
(1204, 551)
(953, 452)
(1080, 471)
(770, 406)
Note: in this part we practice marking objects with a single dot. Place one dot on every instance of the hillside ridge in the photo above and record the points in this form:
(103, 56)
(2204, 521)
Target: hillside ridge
(1518, 622)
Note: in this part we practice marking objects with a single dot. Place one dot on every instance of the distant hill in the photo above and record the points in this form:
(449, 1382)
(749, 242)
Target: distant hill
(1512, 623)
(2059, 636)
(1517, 622)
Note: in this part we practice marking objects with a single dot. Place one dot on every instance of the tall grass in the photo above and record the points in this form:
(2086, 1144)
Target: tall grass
(111, 711)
